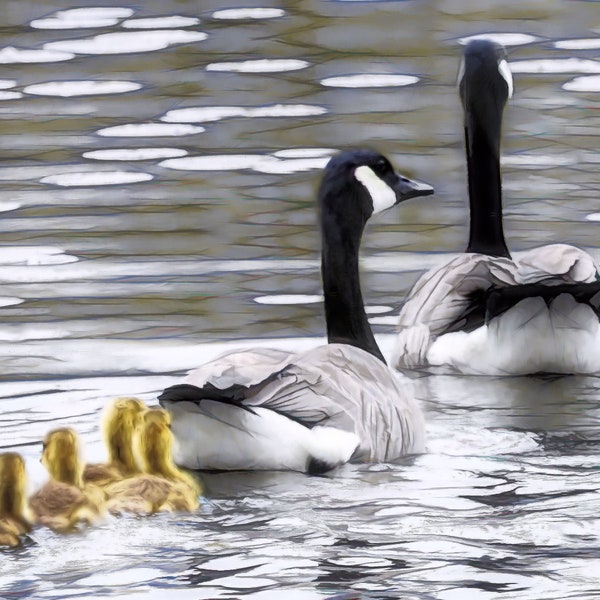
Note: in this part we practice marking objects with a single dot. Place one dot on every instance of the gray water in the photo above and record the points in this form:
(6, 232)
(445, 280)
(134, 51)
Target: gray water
(129, 255)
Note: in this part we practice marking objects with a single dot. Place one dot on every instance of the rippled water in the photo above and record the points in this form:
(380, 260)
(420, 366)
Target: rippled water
(157, 183)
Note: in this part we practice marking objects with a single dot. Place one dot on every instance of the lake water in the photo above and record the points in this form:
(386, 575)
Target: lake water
(159, 165)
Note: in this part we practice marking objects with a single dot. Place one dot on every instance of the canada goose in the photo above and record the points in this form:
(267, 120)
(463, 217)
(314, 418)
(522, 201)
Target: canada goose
(121, 417)
(310, 412)
(63, 501)
(14, 520)
(161, 486)
(463, 316)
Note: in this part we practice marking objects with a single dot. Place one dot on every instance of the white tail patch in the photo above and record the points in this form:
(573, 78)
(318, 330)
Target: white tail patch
(232, 438)
(528, 338)
(504, 70)
(382, 195)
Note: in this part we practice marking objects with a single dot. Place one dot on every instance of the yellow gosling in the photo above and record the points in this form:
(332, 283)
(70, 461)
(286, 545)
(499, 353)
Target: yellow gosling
(161, 486)
(154, 451)
(13, 507)
(119, 423)
(63, 502)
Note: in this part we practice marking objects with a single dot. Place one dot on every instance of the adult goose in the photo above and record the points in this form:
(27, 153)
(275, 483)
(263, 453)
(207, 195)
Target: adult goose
(483, 312)
(312, 411)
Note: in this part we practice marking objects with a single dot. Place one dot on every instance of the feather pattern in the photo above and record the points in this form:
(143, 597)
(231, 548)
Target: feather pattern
(330, 404)
(555, 264)
(492, 316)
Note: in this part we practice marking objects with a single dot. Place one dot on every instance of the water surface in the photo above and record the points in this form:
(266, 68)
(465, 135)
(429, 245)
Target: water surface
(157, 196)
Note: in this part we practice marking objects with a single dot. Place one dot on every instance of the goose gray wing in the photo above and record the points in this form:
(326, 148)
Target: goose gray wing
(242, 366)
(333, 386)
(340, 386)
(556, 264)
(447, 299)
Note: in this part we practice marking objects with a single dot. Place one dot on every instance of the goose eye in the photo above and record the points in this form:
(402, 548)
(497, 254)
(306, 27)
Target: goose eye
(381, 167)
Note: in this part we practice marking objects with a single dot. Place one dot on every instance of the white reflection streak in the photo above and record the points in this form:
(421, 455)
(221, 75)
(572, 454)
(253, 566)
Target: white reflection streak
(289, 299)
(98, 178)
(12, 55)
(506, 39)
(160, 22)
(67, 89)
(583, 84)
(556, 65)
(216, 113)
(125, 42)
(82, 18)
(149, 130)
(263, 65)
(134, 153)
(248, 13)
(369, 80)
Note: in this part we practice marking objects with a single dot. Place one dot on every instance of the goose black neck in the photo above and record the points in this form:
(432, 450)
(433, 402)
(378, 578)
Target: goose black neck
(486, 235)
(345, 314)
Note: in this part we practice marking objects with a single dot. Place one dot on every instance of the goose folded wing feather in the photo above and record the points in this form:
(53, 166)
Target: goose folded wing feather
(555, 264)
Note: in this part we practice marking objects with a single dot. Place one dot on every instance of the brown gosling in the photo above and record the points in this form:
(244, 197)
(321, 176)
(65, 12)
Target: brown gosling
(154, 449)
(63, 502)
(120, 420)
(162, 486)
(14, 520)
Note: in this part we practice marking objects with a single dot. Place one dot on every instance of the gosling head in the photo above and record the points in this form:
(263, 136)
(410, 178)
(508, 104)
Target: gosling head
(154, 443)
(120, 421)
(12, 485)
(61, 457)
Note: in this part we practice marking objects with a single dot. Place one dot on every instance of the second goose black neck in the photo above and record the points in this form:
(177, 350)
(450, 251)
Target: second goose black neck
(483, 121)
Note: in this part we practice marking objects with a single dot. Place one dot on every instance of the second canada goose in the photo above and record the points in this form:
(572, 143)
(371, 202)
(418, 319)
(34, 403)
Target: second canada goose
(483, 312)
(310, 411)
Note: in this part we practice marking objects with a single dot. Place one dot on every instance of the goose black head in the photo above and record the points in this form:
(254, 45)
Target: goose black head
(359, 183)
(485, 83)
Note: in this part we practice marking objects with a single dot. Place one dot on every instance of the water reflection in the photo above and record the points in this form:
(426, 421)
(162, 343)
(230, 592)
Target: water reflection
(160, 22)
(259, 65)
(127, 42)
(12, 55)
(81, 88)
(82, 18)
(369, 80)
(248, 13)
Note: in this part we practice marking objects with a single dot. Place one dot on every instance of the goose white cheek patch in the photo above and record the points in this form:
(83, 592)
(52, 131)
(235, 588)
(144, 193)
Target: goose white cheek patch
(382, 195)
(507, 75)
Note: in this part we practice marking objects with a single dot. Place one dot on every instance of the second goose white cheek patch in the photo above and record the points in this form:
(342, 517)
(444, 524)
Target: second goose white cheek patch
(507, 75)
(382, 195)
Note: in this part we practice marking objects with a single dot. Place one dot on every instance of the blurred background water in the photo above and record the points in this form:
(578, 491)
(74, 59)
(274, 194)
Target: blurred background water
(159, 165)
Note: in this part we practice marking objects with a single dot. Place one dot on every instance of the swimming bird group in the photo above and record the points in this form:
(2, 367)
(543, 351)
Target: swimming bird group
(139, 477)
(482, 312)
